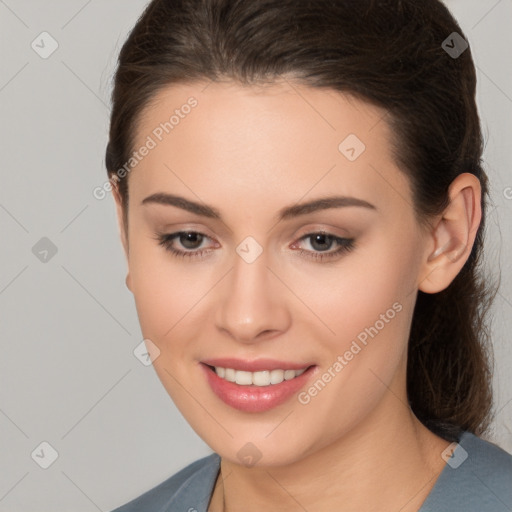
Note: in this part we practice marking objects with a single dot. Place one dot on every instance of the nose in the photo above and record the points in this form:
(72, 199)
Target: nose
(252, 302)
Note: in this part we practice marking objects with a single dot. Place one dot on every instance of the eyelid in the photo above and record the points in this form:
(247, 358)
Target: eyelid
(340, 241)
(180, 227)
(323, 227)
(161, 221)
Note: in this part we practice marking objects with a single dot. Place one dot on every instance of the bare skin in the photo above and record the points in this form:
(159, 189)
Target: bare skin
(248, 152)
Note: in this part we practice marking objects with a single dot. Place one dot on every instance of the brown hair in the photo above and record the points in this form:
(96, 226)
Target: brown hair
(386, 52)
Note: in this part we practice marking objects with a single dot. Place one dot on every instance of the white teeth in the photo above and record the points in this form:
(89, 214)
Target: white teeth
(229, 374)
(276, 376)
(243, 378)
(289, 374)
(261, 378)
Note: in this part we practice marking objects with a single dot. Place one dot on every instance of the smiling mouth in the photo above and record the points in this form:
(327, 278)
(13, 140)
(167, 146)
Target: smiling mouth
(270, 384)
(260, 378)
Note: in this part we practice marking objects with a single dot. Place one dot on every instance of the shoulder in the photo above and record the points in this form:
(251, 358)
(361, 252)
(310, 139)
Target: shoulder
(190, 488)
(477, 477)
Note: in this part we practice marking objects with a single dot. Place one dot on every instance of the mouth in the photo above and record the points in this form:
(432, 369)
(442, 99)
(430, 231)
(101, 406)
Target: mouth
(255, 386)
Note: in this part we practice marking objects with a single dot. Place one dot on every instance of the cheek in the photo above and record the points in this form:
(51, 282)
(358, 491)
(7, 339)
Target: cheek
(367, 302)
(368, 305)
(165, 295)
(365, 289)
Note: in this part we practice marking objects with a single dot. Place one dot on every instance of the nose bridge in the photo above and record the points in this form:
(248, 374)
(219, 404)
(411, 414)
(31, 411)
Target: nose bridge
(251, 303)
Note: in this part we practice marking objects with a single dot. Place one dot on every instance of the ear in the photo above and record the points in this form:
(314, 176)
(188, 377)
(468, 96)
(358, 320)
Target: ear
(122, 228)
(452, 235)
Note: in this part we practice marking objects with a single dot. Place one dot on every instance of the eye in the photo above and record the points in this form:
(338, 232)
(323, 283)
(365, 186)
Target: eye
(191, 243)
(321, 243)
(190, 240)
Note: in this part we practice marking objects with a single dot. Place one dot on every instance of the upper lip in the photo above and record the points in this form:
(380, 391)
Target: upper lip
(256, 365)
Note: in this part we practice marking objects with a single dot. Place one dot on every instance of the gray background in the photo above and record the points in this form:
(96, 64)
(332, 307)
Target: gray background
(68, 325)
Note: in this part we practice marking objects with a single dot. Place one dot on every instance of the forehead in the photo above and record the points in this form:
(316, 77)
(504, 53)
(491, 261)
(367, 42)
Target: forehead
(270, 140)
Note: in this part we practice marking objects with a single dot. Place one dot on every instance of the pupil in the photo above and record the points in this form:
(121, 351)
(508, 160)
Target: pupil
(190, 240)
(323, 240)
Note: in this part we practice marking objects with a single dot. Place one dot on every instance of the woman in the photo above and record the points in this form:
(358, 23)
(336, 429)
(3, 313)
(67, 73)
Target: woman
(301, 201)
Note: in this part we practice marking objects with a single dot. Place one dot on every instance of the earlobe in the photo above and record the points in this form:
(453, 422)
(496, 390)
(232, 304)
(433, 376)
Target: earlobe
(453, 235)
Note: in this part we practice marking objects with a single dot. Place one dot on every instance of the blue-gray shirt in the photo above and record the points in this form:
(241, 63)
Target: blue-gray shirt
(477, 478)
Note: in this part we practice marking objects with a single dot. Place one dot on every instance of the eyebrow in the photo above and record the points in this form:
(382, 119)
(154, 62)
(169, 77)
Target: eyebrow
(323, 203)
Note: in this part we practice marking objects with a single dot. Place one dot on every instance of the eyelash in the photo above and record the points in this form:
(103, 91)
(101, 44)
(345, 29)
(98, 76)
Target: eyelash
(346, 245)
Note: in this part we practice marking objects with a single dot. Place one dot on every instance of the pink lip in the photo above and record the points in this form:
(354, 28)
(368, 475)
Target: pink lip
(255, 366)
(255, 398)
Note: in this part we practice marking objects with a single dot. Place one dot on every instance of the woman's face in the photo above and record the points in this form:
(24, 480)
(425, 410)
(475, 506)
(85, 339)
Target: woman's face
(298, 250)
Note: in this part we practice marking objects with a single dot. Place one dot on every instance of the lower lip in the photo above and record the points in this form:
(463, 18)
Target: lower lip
(254, 398)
